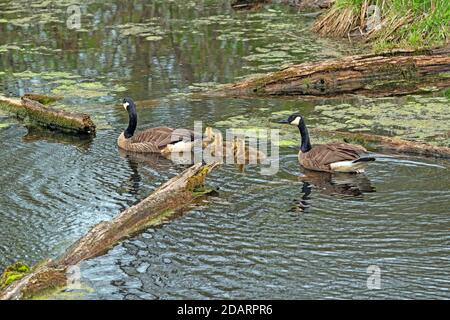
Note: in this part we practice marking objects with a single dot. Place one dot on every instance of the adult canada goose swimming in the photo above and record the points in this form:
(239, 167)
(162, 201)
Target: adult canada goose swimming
(153, 140)
(329, 157)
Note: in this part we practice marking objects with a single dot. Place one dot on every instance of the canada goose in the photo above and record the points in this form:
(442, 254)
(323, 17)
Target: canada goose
(329, 157)
(153, 140)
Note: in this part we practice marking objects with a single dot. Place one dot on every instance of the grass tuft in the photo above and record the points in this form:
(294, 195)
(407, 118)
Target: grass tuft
(402, 24)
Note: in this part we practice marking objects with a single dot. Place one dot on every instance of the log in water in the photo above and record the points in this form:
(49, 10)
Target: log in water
(47, 117)
(153, 210)
(387, 74)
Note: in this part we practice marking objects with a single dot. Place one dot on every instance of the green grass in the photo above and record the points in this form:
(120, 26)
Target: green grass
(405, 23)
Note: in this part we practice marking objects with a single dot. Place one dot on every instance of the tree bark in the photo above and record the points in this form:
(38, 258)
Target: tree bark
(160, 205)
(47, 117)
(391, 73)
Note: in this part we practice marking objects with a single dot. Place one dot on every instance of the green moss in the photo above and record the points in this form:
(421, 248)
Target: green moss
(161, 218)
(61, 293)
(44, 99)
(197, 181)
(13, 273)
(201, 191)
(446, 93)
(4, 126)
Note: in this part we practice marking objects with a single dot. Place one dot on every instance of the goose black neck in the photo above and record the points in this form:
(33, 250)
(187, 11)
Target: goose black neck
(306, 143)
(132, 122)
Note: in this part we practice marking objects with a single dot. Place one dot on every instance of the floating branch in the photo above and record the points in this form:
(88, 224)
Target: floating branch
(378, 142)
(44, 116)
(391, 73)
(162, 204)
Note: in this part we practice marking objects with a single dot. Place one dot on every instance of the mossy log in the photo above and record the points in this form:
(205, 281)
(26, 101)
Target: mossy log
(42, 98)
(159, 206)
(36, 113)
(379, 143)
(391, 73)
(301, 4)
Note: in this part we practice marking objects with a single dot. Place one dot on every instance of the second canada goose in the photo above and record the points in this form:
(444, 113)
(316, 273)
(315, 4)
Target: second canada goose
(153, 140)
(329, 157)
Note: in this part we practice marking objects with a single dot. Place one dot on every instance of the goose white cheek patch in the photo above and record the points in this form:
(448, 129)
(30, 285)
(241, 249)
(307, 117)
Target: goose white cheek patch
(125, 105)
(296, 122)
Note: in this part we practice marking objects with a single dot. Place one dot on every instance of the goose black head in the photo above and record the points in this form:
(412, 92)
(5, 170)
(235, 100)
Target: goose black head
(294, 119)
(127, 103)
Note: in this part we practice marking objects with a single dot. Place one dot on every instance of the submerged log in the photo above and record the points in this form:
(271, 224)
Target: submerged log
(42, 98)
(47, 117)
(155, 209)
(386, 74)
(378, 142)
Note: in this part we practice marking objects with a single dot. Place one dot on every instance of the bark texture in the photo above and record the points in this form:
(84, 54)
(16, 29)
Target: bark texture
(44, 116)
(387, 74)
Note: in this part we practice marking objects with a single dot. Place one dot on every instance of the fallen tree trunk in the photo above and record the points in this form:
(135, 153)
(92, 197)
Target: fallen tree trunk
(377, 142)
(301, 4)
(41, 115)
(386, 74)
(160, 205)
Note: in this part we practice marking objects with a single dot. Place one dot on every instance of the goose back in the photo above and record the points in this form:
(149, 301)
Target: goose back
(153, 140)
(320, 157)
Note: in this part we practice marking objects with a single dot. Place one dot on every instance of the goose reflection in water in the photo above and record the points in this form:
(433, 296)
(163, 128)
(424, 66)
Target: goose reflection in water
(157, 162)
(334, 184)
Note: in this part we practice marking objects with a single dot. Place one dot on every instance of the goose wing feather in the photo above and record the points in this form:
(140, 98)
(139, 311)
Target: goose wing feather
(154, 139)
(320, 157)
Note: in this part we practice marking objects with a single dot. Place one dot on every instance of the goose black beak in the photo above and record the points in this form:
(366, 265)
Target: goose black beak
(283, 121)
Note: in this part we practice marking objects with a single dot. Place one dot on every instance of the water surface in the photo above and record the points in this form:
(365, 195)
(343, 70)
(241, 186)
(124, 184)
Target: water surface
(261, 236)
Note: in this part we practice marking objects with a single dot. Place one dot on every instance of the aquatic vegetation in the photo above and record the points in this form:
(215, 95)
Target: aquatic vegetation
(419, 118)
(4, 126)
(68, 85)
(150, 30)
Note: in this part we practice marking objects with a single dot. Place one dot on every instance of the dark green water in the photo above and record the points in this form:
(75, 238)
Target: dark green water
(262, 236)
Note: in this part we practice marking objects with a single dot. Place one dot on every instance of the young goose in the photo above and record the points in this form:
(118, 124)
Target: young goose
(153, 140)
(330, 157)
(214, 144)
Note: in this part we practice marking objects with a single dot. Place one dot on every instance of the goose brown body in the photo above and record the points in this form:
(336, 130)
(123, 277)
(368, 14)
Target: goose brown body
(153, 140)
(321, 157)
